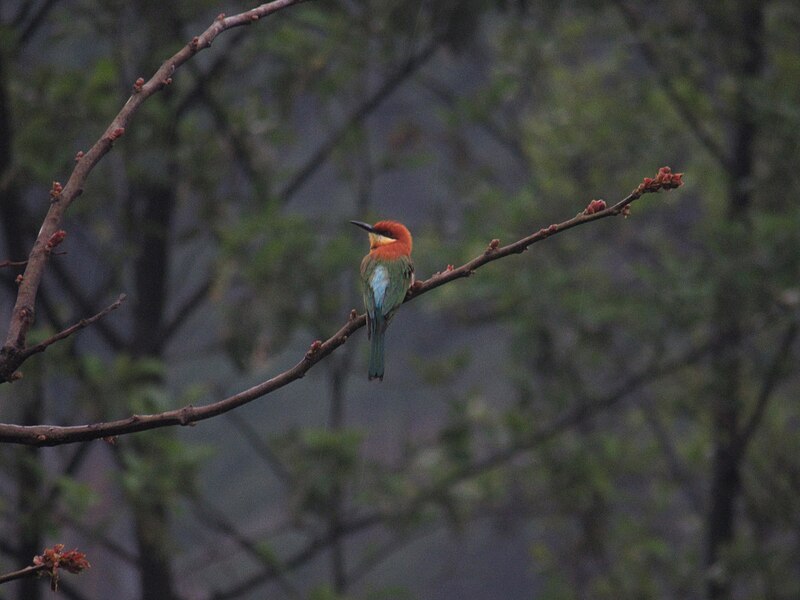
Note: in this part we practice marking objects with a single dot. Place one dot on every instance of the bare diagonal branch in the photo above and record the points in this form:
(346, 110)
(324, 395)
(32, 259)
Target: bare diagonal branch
(22, 316)
(361, 112)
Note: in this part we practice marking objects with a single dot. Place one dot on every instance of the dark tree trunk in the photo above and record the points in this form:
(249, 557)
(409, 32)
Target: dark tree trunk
(28, 463)
(730, 303)
(151, 514)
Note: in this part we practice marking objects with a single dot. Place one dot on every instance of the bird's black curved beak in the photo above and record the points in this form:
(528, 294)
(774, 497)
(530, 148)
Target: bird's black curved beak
(364, 226)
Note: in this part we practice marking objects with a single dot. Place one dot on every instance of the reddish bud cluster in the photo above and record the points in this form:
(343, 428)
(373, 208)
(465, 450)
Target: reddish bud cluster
(220, 16)
(56, 190)
(19, 279)
(595, 206)
(78, 155)
(117, 133)
(449, 268)
(54, 558)
(167, 81)
(137, 85)
(193, 45)
(314, 348)
(665, 179)
(493, 245)
(55, 239)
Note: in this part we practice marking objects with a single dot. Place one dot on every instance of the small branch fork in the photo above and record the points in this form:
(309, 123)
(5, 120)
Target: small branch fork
(22, 317)
(19, 356)
(51, 435)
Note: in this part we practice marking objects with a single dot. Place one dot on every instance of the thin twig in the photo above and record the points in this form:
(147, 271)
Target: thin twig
(666, 79)
(771, 379)
(22, 263)
(185, 311)
(13, 263)
(41, 347)
(260, 447)
(31, 571)
(51, 435)
(214, 518)
(361, 112)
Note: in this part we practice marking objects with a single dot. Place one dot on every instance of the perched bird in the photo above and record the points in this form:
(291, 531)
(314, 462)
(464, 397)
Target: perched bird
(386, 274)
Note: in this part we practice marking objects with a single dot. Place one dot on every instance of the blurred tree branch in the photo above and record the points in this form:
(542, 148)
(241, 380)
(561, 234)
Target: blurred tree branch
(588, 408)
(780, 359)
(26, 23)
(361, 112)
(666, 77)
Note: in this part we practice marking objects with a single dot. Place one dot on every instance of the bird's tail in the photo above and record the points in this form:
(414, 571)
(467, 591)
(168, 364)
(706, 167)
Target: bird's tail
(376, 351)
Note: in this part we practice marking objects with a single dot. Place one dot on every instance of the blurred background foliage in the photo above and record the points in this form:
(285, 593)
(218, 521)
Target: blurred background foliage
(611, 414)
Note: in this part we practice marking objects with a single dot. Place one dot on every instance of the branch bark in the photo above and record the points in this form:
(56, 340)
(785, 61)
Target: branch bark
(32, 571)
(52, 435)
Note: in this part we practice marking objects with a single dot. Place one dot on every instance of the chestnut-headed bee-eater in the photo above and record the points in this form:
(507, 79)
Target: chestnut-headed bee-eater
(386, 274)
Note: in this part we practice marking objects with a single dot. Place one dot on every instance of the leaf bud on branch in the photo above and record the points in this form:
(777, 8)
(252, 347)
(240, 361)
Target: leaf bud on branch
(595, 206)
(52, 559)
(55, 239)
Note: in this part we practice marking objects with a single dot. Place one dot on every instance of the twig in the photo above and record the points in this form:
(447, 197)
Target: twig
(212, 517)
(21, 263)
(13, 263)
(52, 560)
(33, 24)
(261, 448)
(771, 379)
(31, 571)
(61, 197)
(185, 311)
(42, 346)
(361, 112)
(666, 79)
(85, 302)
(52, 435)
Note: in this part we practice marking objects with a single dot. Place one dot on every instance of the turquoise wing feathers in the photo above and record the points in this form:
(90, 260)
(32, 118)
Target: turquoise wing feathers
(384, 284)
